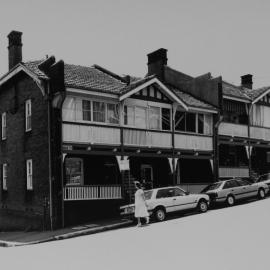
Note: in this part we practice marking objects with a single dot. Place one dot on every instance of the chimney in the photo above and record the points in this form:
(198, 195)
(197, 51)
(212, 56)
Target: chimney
(14, 48)
(246, 81)
(156, 62)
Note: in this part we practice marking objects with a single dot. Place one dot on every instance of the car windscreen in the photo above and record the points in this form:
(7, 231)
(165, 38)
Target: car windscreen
(211, 187)
(148, 194)
(264, 177)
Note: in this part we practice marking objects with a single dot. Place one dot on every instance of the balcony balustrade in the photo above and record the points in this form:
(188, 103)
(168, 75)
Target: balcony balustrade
(234, 130)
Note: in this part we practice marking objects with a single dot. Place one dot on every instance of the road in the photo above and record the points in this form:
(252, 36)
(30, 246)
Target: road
(233, 238)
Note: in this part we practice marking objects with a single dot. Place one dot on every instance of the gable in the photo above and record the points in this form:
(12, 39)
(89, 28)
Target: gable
(152, 93)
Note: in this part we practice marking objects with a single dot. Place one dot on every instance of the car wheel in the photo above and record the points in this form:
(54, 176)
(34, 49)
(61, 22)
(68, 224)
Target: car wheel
(261, 193)
(230, 200)
(160, 214)
(202, 206)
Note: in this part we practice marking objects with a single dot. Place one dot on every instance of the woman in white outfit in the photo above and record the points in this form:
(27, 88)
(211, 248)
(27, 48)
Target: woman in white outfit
(140, 205)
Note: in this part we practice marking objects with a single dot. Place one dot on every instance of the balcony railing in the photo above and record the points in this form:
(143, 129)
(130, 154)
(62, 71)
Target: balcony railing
(91, 134)
(76, 193)
(260, 133)
(135, 137)
(234, 130)
(233, 172)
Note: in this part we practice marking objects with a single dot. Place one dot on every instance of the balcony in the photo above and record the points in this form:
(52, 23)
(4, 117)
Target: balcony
(147, 138)
(233, 130)
(193, 142)
(74, 133)
(76, 193)
(260, 133)
(233, 172)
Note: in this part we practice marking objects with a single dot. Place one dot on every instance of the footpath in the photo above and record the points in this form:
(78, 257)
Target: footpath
(13, 239)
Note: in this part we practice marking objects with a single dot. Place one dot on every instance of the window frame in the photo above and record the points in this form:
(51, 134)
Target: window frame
(28, 115)
(4, 176)
(81, 171)
(4, 126)
(29, 174)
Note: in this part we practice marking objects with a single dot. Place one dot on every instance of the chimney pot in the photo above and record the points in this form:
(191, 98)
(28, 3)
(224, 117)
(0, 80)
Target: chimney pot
(246, 81)
(14, 48)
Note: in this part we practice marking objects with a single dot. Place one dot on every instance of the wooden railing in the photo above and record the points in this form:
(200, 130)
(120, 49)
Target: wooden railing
(234, 130)
(136, 137)
(260, 133)
(76, 193)
(233, 172)
(193, 142)
(91, 134)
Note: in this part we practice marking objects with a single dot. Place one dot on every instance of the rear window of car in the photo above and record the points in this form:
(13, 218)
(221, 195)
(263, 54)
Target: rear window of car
(164, 193)
(231, 184)
(148, 194)
(243, 182)
(211, 187)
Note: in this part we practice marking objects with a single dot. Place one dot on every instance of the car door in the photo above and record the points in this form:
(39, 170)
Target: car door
(247, 190)
(232, 187)
(165, 197)
(181, 200)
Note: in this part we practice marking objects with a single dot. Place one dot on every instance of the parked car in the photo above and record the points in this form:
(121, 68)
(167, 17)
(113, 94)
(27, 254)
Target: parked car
(161, 201)
(265, 178)
(232, 190)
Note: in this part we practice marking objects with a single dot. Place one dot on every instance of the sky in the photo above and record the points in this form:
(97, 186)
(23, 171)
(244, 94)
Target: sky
(228, 38)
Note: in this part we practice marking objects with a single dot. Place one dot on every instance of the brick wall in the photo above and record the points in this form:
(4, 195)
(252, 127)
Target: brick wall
(21, 145)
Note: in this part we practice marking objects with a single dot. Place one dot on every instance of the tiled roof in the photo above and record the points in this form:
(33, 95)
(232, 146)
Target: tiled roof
(233, 91)
(88, 78)
(191, 101)
(254, 93)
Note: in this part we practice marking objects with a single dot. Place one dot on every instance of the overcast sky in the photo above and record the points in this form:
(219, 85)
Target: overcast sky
(229, 38)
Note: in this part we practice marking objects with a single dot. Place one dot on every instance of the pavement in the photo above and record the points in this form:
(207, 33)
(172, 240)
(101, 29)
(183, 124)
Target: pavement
(20, 238)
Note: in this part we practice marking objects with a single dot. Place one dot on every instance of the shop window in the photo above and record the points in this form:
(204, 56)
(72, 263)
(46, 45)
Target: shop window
(74, 171)
(98, 111)
(166, 119)
(86, 108)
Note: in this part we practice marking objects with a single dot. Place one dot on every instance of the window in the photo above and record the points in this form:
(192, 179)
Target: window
(4, 176)
(179, 192)
(140, 117)
(113, 113)
(165, 193)
(74, 171)
(230, 184)
(86, 108)
(4, 126)
(98, 111)
(29, 174)
(166, 119)
(243, 182)
(154, 118)
(28, 114)
(191, 122)
(129, 115)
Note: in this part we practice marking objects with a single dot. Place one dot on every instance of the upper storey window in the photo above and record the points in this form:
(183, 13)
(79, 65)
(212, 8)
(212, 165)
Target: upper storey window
(235, 112)
(28, 115)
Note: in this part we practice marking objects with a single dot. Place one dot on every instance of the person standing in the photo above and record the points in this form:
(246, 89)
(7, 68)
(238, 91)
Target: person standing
(140, 205)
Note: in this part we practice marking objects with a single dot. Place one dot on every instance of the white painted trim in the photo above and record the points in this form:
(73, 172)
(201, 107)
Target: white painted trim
(90, 93)
(262, 95)
(202, 110)
(236, 99)
(16, 70)
(163, 87)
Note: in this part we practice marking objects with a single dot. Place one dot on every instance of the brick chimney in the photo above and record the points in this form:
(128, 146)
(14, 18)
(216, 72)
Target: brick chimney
(14, 48)
(246, 81)
(156, 62)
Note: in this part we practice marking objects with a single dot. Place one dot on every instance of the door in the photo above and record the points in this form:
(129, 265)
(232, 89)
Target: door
(247, 189)
(147, 176)
(181, 200)
(232, 187)
(166, 198)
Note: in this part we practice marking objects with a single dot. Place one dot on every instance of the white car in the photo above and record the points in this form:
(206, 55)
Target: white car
(161, 201)
(265, 178)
